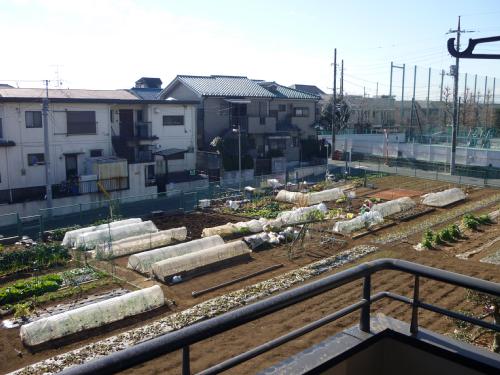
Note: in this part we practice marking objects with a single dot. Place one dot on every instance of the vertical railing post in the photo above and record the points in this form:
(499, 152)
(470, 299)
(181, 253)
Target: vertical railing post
(364, 322)
(186, 370)
(415, 302)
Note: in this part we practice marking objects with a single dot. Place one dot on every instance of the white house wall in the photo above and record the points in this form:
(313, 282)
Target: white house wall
(30, 140)
(181, 136)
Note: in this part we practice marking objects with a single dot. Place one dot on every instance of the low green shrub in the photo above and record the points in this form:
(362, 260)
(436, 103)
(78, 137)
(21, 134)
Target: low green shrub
(427, 243)
(469, 221)
(39, 256)
(24, 289)
(446, 234)
(455, 231)
(315, 215)
(428, 235)
(58, 234)
(438, 240)
(484, 219)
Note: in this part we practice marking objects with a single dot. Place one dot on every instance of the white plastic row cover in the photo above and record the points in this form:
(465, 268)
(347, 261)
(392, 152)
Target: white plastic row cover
(92, 239)
(142, 242)
(443, 198)
(309, 198)
(395, 206)
(142, 262)
(71, 236)
(253, 226)
(92, 316)
(165, 269)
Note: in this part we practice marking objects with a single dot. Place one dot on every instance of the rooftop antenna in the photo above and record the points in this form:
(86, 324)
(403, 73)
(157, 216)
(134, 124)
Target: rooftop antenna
(58, 82)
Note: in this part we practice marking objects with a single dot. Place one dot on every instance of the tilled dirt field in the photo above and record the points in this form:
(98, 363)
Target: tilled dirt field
(243, 338)
(195, 222)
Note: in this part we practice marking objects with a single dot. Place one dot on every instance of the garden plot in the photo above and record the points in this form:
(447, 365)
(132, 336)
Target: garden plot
(204, 310)
(181, 293)
(390, 194)
(40, 313)
(142, 242)
(91, 316)
(194, 222)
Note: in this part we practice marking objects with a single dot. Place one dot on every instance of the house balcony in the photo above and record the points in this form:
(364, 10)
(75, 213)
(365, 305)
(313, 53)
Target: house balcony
(261, 124)
(74, 188)
(140, 134)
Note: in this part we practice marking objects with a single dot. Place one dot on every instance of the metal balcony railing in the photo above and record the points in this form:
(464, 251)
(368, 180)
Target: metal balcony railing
(73, 188)
(183, 338)
(143, 130)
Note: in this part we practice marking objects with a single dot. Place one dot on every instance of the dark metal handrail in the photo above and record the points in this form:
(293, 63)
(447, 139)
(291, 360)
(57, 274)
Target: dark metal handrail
(197, 332)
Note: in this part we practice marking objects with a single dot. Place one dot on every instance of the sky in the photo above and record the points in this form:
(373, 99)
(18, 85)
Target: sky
(109, 44)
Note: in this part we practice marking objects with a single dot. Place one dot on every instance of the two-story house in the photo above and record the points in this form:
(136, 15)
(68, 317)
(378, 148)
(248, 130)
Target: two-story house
(130, 143)
(272, 118)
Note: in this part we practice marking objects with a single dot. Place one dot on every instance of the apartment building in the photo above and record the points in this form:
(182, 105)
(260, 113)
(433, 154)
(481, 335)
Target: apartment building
(127, 140)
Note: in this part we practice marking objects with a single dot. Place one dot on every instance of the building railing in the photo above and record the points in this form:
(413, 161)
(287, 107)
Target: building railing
(144, 156)
(144, 130)
(185, 337)
(74, 188)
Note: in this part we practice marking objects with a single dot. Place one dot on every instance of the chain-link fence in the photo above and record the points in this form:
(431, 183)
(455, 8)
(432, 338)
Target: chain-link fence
(85, 214)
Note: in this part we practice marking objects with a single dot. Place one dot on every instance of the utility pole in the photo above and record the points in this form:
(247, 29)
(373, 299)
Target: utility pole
(455, 72)
(413, 99)
(442, 80)
(334, 100)
(390, 81)
(239, 154)
(45, 117)
(376, 92)
(342, 79)
(428, 96)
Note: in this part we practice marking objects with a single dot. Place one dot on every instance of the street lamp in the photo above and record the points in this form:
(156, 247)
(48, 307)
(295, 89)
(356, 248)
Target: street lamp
(238, 130)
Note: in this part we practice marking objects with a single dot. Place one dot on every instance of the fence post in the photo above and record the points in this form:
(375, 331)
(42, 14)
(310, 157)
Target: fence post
(40, 220)
(415, 302)
(19, 225)
(364, 322)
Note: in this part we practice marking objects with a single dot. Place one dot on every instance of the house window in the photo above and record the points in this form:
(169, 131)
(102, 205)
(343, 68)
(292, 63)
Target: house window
(301, 112)
(95, 153)
(139, 115)
(36, 159)
(282, 107)
(173, 120)
(150, 175)
(262, 120)
(81, 122)
(33, 119)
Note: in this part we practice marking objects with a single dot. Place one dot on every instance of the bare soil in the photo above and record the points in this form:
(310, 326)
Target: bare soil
(195, 222)
(244, 338)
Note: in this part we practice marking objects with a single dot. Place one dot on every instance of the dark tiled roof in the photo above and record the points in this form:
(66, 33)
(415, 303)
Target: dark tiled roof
(233, 86)
(311, 89)
(146, 93)
(284, 92)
